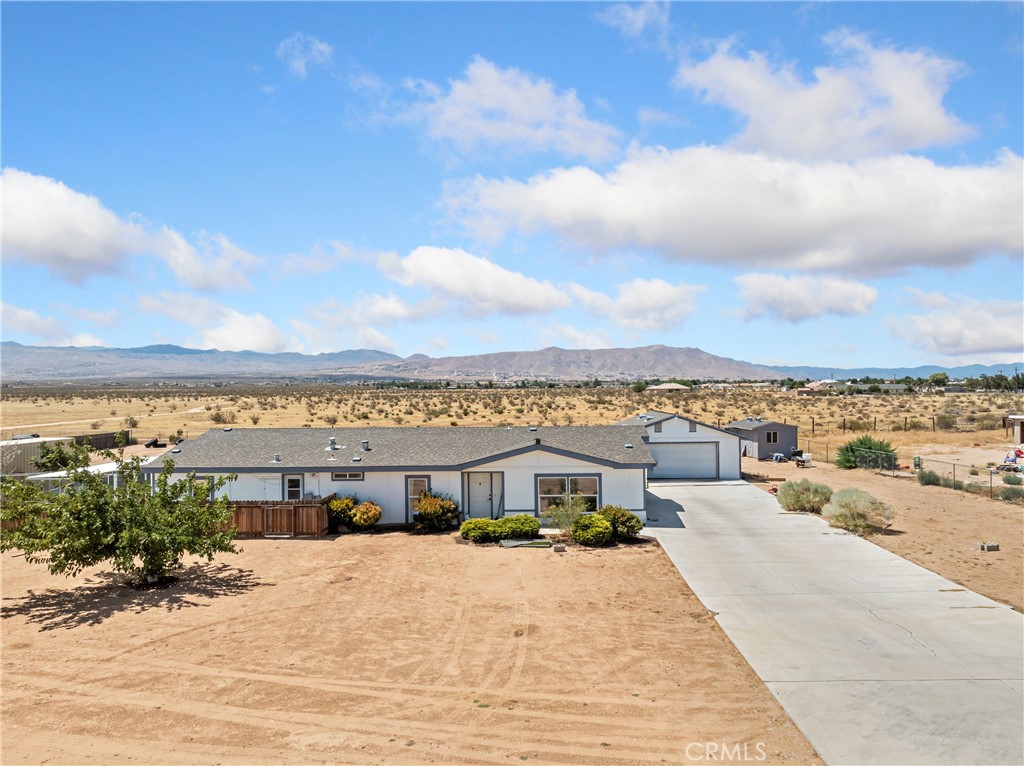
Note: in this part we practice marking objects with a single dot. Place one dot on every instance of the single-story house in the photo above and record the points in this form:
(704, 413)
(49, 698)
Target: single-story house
(763, 438)
(686, 448)
(668, 387)
(491, 471)
(53, 481)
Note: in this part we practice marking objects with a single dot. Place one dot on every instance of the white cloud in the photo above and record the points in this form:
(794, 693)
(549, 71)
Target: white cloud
(218, 326)
(634, 20)
(507, 108)
(875, 100)
(567, 336)
(71, 234)
(216, 265)
(48, 329)
(369, 337)
(724, 206)
(75, 237)
(103, 318)
(321, 259)
(642, 304)
(480, 286)
(300, 51)
(797, 298)
(965, 327)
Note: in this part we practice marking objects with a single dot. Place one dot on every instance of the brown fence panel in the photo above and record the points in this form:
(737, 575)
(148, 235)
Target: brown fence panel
(310, 520)
(279, 520)
(248, 519)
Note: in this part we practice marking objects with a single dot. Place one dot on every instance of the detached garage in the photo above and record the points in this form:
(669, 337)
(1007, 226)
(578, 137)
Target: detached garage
(688, 449)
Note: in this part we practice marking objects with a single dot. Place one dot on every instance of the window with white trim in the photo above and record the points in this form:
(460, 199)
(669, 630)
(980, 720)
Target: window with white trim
(552, 490)
(347, 476)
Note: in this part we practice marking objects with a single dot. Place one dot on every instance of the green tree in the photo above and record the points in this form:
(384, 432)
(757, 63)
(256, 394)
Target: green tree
(938, 379)
(140, 529)
(55, 456)
(639, 387)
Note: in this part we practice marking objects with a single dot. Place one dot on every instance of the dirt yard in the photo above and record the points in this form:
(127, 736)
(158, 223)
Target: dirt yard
(935, 527)
(383, 648)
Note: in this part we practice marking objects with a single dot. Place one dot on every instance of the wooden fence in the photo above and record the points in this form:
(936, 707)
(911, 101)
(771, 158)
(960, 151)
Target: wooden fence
(280, 518)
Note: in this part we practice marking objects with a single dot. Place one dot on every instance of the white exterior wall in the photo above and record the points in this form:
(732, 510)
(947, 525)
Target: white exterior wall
(386, 489)
(678, 430)
(619, 486)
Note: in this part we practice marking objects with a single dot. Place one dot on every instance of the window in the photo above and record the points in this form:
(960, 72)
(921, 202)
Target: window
(551, 489)
(693, 426)
(657, 428)
(292, 487)
(415, 485)
(771, 437)
(347, 476)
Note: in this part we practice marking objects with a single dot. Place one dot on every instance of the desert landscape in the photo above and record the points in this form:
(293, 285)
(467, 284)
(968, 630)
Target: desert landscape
(397, 648)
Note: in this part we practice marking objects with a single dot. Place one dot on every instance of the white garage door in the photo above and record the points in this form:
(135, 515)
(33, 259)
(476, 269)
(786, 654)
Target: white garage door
(693, 460)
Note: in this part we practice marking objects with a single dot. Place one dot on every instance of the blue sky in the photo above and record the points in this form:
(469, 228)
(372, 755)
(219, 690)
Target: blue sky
(831, 184)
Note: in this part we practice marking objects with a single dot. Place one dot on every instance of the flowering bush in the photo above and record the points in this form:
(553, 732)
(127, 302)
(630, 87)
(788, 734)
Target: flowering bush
(435, 513)
(365, 515)
(592, 530)
(339, 512)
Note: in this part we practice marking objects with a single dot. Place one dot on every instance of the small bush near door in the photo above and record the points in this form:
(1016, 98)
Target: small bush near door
(435, 513)
(592, 530)
(519, 527)
(339, 512)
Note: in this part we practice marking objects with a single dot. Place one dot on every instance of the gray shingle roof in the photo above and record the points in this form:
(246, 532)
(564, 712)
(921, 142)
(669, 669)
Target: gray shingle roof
(753, 425)
(253, 449)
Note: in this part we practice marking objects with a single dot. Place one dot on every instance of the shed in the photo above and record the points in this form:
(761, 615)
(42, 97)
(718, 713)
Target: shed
(763, 438)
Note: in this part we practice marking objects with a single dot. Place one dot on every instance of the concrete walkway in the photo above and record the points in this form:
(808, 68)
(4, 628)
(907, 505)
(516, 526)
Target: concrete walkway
(877, 660)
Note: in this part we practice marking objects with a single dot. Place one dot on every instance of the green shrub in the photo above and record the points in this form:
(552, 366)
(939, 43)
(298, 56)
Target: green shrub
(866, 452)
(339, 512)
(435, 512)
(945, 421)
(365, 515)
(625, 524)
(857, 511)
(519, 527)
(928, 478)
(949, 483)
(1011, 494)
(1013, 479)
(804, 496)
(592, 530)
(975, 488)
(480, 530)
(563, 513)
(974, 472)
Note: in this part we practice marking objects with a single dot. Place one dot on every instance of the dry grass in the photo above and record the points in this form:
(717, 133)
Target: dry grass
(168, 411)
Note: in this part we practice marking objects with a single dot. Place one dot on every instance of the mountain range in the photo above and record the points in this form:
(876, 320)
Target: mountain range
(21, 363)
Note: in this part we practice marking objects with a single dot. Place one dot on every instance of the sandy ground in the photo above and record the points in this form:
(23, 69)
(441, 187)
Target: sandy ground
(385, 648)
(935, 527)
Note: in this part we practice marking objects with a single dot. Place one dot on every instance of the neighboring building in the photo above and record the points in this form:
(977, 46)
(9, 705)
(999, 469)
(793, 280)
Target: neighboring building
(688, 449)
(668, 387)
(55, 480)
(17, 454)
(490, 471)
(763, 438)
(1017, 428)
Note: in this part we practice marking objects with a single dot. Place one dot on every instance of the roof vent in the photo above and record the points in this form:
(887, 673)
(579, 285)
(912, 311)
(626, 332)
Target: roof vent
(533, 428)
(629, 446)
(356, 458)
(226, 430)
(176, 450)
(332, 445)
(277, 457)
(537, 440)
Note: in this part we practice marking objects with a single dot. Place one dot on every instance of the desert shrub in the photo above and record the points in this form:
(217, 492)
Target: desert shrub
(857, 511)
(974, 472)
(480, 530)
(1011, 494)
(916, 425)
(519, 526)
(928, 478)
(516, 527)
(563, 513)
(949, 483)
(592, 529)
(435, 512)
(945, 421)
(365, 515)
(989, 423)
(625, 524)
(879, 453)
(975, 488)
(339, 512)
(1013, 479)
(804, 496)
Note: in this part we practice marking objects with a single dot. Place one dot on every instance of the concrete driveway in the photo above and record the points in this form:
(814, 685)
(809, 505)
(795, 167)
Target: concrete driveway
(877, 660)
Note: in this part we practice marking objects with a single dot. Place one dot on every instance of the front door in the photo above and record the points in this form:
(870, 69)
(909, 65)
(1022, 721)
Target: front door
(484, 495)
